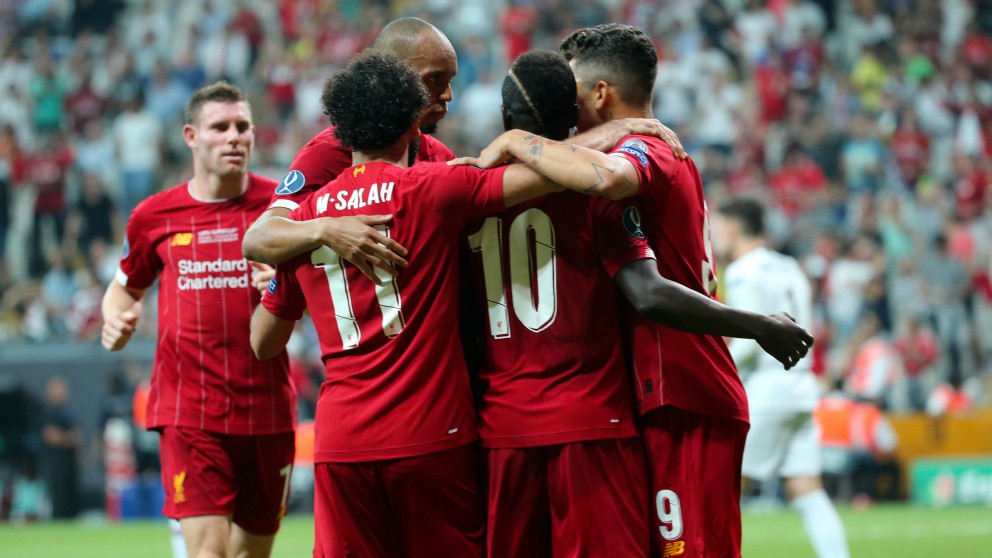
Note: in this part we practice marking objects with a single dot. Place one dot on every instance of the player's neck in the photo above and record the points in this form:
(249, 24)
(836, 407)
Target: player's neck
(206, 186)
(745, 246)
(623, 110)
(396, 154)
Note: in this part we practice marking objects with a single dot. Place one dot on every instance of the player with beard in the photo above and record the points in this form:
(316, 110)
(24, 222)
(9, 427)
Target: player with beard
(396, 460)
(692, 402)
(274, 239)
(566, 467)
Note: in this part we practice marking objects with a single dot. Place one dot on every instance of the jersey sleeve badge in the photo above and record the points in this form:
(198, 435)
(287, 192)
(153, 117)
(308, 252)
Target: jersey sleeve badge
(632, 222)
(292, 183)
(636, 148)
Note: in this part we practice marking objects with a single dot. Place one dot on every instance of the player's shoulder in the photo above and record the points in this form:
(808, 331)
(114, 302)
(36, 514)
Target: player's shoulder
(434, 150)
(647, 149)
(325, 139)
(167, 202)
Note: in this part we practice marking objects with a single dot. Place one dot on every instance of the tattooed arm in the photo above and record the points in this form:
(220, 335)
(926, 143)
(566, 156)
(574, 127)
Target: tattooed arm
(574, 167)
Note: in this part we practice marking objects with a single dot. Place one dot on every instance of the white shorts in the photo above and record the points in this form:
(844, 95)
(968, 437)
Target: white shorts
(781, 444)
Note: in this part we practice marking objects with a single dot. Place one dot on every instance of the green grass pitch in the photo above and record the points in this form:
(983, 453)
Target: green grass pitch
(879, 532)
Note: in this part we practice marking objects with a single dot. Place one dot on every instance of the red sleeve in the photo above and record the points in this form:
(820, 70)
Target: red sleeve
(618, 234)
(433, 150)
(637, 150)
(140, 264)
(315, 164)
(465, 193)
(284, 297)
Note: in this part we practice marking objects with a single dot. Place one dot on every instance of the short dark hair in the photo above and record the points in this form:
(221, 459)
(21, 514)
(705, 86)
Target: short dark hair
(749, 212)
(373, 101)
(219, 91)
(620, 55)
(539, 93)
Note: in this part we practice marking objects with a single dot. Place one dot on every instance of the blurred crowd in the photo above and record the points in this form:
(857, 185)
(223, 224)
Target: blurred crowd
(866, 126)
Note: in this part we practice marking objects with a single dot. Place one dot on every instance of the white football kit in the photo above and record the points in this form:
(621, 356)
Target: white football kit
(782, 441)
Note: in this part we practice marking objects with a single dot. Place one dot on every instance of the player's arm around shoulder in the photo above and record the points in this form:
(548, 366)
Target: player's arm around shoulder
(274, 239)
(572, 166)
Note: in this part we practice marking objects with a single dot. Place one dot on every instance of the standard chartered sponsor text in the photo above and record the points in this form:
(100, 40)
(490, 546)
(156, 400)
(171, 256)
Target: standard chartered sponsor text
(186, 268)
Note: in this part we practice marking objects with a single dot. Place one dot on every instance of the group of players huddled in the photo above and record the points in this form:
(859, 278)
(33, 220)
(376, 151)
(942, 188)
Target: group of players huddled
(573, 274)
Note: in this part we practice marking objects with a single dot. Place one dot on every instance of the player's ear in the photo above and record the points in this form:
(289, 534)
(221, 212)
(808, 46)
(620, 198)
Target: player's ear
(600, 94)
(189, 135)
(414, 130)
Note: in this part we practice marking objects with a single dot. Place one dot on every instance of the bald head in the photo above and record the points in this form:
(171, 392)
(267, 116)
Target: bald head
(400, 36)
(430, 53)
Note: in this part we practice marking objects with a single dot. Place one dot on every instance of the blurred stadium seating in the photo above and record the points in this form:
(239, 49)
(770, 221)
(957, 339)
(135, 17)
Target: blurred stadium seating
(865, 125)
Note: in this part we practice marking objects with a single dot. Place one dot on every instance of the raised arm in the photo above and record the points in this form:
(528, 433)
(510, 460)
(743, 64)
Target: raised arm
(605, 136)
(673, 305)
(121, 309)
(273, 239)
(269, 333)
(574, 167)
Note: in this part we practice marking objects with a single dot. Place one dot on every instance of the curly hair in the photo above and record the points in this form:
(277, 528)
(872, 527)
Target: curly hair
(219, 91)
(373, 101)
(539, 92)
(620, 55)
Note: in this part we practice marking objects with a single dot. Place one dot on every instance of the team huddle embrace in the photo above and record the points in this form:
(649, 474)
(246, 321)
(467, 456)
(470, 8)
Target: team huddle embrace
(524, 355)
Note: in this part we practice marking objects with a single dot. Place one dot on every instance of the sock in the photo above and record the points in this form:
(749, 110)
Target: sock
(177, 540)
(823, 526)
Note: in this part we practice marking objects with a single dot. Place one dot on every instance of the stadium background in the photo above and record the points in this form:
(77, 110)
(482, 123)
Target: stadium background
(865, 125)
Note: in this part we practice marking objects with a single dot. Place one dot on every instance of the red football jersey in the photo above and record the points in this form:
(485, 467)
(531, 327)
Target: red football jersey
(323, 158)
(553, 370)
(206, 375)
(692, 372)
(396, 383)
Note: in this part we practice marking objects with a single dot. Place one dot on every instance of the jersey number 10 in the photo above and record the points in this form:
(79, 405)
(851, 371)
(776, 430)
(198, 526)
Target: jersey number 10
(532, 268)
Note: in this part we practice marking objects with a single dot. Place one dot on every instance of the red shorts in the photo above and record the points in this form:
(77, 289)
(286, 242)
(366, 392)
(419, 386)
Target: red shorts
(417, 507)
(577, 499)
(245, 477)
(695, 465)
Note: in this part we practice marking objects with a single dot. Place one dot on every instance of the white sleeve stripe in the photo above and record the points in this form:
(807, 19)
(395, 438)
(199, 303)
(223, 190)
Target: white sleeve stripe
(285, 204)
(121, 277)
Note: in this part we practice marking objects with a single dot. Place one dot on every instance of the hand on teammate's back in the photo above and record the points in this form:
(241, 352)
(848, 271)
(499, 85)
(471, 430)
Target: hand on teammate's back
(652, 127)
(117, 330)
(361, 241)
(494, 154)
(785, 340)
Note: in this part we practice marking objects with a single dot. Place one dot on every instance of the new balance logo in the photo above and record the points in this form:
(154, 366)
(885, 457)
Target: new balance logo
(675, 548)
(182, 239)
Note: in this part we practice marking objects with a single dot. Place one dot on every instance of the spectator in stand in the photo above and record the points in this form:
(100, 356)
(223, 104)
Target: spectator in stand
(799, 184)
(910, 149)
(862, 158)
(46, 171)
(84, 104)
(876, 369)
(93, 218)
(946, 285)
(48, 92)
(846, 281)
(138, 138)
(918, 347)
